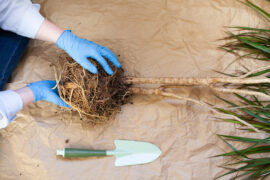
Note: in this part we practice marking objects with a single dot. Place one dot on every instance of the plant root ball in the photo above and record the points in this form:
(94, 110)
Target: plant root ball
(97, 97)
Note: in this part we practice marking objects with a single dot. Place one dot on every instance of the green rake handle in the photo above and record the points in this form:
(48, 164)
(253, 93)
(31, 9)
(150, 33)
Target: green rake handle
(70, 152)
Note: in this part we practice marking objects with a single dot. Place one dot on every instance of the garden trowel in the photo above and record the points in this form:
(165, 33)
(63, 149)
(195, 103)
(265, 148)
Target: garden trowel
(126, 152)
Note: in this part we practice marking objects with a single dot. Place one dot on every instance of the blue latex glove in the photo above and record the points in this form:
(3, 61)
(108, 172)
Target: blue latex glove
(42, 90)
(81, 49)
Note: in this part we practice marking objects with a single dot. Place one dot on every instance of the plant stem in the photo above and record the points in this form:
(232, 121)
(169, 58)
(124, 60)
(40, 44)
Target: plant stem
(194, 81)
(161, 92)
(240, 91)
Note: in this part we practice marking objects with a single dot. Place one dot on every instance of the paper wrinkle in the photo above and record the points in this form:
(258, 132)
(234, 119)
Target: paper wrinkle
(155, 38)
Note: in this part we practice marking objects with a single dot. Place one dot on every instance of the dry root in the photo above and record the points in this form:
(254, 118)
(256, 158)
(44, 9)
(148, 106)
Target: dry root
(96, 97)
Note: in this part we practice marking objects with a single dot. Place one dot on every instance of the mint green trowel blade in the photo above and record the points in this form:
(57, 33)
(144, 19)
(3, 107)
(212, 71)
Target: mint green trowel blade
(134, 152)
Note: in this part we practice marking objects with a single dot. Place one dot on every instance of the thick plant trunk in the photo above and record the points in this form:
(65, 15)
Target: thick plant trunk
(194, 81)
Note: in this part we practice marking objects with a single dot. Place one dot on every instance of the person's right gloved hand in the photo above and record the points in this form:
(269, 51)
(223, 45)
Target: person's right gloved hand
(80, 49)
(43, 91)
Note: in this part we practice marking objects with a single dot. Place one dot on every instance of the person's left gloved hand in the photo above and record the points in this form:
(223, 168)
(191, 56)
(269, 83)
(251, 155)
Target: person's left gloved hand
(42, 90)
(81, 49)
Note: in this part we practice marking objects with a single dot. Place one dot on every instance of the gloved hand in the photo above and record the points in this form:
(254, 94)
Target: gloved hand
(42, 90)
(81, 49)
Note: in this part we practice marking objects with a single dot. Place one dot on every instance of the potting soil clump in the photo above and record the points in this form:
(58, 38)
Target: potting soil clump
(97, 97)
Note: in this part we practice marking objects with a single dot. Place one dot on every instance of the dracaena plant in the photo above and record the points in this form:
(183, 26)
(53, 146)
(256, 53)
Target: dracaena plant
(249, 42)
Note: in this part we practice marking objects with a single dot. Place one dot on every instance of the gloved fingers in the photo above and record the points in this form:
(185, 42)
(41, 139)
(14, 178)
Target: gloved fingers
(52, 86)
(108, 54)
(55, 90)
(86, 64)
(63, 104)
(103, 63)
(51, 83)
(58, 101)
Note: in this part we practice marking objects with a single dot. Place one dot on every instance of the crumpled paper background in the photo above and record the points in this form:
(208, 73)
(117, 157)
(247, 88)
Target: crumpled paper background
(154, 38)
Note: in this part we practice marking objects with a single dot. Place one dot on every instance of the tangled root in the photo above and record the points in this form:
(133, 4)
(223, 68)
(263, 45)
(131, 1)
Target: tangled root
(97, 97)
